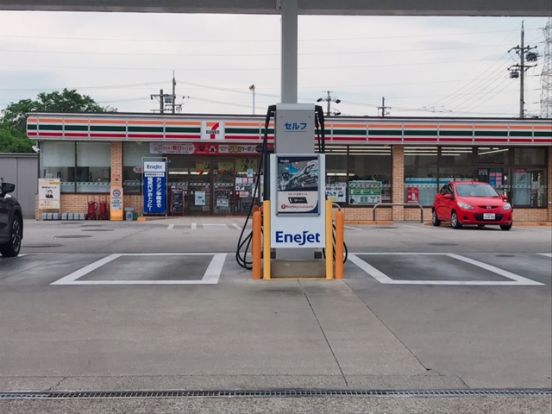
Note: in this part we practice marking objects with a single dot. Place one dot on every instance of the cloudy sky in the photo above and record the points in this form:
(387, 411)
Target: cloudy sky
(423, 66)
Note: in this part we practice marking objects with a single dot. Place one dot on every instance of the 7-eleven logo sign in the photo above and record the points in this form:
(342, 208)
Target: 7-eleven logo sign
(212, 130)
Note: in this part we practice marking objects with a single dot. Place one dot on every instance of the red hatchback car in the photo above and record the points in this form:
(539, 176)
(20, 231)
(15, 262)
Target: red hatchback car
(471, 202)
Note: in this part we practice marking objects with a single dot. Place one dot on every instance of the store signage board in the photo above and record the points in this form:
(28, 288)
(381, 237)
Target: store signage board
(49, 193)
(155, 187)
(365, 192)
(202, 148)
(116, 199)
(298, 227)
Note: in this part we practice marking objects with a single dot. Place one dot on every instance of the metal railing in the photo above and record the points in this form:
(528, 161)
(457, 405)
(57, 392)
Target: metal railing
(411, 203)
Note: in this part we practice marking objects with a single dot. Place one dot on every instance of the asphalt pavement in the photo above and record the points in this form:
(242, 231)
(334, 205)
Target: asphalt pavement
(163, 305)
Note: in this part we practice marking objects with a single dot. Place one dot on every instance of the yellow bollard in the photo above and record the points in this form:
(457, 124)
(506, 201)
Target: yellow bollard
(329, 241)
(339, 237)
(256, 245)
(266, 240)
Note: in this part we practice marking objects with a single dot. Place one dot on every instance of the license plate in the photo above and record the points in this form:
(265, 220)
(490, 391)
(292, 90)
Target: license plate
(488, 216)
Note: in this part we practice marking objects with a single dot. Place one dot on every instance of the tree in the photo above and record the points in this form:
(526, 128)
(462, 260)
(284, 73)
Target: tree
(14, 117)
(14, 141)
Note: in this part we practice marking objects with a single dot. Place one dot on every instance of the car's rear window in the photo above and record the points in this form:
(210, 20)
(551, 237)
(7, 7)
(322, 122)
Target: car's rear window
(475, 190)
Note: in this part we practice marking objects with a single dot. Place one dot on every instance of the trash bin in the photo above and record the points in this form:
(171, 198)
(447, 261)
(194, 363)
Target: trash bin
(129, 213)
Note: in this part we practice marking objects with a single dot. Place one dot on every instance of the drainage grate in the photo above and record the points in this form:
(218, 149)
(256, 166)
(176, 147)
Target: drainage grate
(279, 393)
(43, 245)
(72, 236)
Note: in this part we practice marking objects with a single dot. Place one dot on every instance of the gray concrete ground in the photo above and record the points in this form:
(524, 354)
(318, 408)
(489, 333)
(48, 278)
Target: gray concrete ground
(420, 307)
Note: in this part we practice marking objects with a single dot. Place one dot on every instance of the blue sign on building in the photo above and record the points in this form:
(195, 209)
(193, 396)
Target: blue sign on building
(155, 188)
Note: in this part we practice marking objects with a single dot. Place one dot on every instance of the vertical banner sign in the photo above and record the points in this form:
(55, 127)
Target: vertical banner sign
(155, 187)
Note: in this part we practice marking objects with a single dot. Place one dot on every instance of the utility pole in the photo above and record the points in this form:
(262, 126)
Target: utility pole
(383, 107)
(168, 99)
(173, 94)
(546, 74)
(252, 89)
(161, 100)
(329, 100)
(518, 70)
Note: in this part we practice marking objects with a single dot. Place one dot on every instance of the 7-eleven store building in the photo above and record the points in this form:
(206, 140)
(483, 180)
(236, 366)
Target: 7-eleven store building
(212, 160)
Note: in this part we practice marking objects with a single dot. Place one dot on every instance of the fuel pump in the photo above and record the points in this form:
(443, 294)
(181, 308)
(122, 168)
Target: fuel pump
(294, 183)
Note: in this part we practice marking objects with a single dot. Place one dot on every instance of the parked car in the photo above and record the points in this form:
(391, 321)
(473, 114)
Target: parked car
(471, 202)
(11, 222)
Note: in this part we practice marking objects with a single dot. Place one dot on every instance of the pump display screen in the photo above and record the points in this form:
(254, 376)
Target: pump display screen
(298, 181)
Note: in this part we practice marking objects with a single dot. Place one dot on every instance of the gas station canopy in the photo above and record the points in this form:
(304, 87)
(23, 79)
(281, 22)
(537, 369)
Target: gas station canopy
(305, 7)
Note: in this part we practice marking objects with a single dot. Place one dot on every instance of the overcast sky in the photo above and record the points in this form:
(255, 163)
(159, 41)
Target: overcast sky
(451, 66)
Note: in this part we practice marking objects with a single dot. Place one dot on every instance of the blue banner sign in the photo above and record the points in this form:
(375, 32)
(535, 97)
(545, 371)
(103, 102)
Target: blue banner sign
(155, 188)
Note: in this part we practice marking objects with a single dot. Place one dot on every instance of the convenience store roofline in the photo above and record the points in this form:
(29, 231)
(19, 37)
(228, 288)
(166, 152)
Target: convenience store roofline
(391, 119)
(234, 129)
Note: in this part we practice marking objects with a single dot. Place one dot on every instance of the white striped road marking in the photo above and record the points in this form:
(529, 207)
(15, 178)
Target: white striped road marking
(170, 227)
(210, 277)
(194, 226)
(546, 254)
(71, 278)
(515, 280)
(236, 226)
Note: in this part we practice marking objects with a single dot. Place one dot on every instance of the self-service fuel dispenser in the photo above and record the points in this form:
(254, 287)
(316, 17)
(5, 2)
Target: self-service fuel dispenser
(295, 220)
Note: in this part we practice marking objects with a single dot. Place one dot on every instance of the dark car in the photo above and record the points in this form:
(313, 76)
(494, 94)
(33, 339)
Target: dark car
(471, 202)
(11, 222)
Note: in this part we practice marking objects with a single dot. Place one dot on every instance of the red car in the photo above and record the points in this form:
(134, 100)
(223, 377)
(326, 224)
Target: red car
(471, 202)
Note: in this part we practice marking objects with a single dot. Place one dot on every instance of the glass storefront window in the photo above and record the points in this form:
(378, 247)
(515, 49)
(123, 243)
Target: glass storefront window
(93, 167)
(529, 187)
(455, 164)
(369, 175)
(336, 177)
(246, 170)
(133, 154)
(530, 156)
(493, 155)
(57, 160)
(420, 174)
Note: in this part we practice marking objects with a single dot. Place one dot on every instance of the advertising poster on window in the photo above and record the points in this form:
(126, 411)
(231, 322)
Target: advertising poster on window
(337, 192)
(298, 185)
(49, 193)
(199, 198)
(155, 187)
(363, 192)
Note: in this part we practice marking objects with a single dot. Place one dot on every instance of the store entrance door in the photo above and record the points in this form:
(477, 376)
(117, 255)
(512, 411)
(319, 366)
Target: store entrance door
(210, 186)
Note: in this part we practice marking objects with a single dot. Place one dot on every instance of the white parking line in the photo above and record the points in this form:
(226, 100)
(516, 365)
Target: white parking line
(515, 280)
(210, 277)
(546, 254)
(170, 227)
(71, 278)
(236, 226)
(194, 226)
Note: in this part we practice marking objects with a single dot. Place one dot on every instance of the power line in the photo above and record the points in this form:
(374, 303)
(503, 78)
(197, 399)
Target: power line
(250, 40)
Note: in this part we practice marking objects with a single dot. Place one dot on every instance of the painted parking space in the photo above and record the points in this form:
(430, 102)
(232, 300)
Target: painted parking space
(149, 269)
(408, 268)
